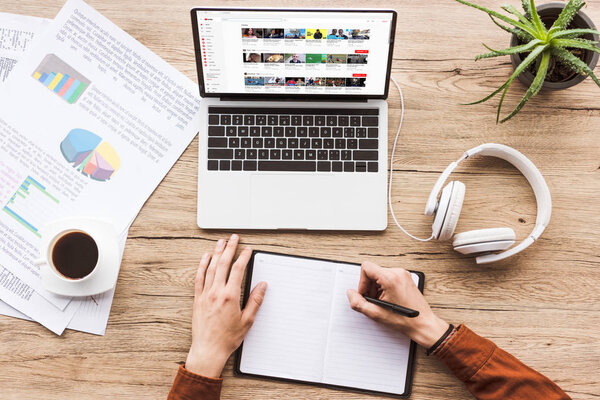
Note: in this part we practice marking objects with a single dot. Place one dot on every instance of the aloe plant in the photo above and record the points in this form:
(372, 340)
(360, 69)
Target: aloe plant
(541, 43)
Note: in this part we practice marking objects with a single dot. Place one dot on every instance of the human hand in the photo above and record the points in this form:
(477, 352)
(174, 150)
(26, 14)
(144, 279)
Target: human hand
(218, 323)
(395, 285)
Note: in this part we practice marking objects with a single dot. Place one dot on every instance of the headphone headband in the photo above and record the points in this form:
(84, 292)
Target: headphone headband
(529, 171)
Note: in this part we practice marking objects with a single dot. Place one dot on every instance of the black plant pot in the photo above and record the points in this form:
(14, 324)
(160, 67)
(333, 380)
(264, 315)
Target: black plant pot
(548, 13)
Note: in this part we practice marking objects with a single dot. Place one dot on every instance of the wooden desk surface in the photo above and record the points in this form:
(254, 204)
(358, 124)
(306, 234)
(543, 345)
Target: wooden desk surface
(542, 305)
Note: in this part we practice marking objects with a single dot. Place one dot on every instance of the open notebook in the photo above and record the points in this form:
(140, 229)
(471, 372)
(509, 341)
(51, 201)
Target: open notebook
(306, 331)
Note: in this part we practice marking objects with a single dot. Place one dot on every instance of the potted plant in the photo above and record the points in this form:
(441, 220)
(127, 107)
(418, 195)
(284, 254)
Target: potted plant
(552, 46)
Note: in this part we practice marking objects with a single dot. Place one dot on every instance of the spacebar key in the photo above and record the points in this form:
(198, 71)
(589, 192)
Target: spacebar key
(301, 166)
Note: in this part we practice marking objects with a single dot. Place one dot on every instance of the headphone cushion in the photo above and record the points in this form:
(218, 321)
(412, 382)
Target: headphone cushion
(483, 240)
(453, 210)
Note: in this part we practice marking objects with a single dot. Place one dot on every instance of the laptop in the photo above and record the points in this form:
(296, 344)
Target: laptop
(294, 121)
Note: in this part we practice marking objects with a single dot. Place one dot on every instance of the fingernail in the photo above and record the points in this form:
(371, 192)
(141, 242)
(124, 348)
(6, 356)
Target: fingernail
(220, 244)
(262, 285)
(234, 237)
(205, 256)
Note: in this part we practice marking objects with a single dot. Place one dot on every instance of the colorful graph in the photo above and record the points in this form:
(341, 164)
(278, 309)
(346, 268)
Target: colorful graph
(61, 78)
(31, 205)
(90, 154)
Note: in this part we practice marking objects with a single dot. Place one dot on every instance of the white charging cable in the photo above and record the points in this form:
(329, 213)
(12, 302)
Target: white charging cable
(392, 166)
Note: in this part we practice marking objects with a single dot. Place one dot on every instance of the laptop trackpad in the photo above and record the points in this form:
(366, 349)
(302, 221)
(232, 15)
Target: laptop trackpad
(291, 201)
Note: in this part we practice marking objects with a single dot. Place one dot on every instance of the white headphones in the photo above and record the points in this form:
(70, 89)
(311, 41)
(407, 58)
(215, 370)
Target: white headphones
(447, 209)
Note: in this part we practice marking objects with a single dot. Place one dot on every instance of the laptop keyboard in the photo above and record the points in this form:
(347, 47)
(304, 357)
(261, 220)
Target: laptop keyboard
(293, 139)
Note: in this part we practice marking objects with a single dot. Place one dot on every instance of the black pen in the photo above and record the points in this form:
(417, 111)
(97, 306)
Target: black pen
(407, 312)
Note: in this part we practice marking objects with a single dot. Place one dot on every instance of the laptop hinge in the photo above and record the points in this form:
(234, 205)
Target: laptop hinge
(228, 98)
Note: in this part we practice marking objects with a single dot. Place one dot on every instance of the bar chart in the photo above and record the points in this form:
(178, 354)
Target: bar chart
(61, 78)
(91, 155)
(32, 205)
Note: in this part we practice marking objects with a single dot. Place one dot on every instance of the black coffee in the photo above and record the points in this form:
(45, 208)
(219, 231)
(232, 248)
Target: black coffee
(75, 255)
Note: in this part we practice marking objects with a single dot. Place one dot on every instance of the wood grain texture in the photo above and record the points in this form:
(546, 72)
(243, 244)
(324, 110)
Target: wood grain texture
(542, 305)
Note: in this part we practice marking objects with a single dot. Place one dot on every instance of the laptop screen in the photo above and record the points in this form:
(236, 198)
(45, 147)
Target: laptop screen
(293, 53)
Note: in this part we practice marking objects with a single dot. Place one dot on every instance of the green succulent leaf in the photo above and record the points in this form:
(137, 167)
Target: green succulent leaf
(567, 14)
(573, 33)
(574, 62)
(577, 43)
(526, 8)
(510, 9)
(501, 17)
(535, 87)
(521, 34)
(511, 50)
(535, 18)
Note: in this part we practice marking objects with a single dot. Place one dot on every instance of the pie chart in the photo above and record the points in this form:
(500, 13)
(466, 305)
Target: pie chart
(90, 154)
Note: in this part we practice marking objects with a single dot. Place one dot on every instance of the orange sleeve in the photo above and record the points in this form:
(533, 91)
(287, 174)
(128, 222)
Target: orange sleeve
(189, 386)
(491, 373)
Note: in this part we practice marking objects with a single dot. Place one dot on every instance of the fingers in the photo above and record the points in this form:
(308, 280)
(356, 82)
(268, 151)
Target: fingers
(358, 303)
(254, 302)
(225, 261)
(380, 275)
(212, 267)
(366, 286)
(201, 274)
(238, 269)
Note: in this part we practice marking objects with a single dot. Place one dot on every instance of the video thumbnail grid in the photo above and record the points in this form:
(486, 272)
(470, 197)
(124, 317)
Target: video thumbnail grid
(259, 81)
(306, 34)
(304, 58)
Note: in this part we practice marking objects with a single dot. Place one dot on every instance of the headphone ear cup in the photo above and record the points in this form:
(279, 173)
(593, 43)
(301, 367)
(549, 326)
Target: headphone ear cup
(484, 240)
(448, 211)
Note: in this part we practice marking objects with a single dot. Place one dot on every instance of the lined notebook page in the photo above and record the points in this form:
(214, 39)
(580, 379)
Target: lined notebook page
(306, 330)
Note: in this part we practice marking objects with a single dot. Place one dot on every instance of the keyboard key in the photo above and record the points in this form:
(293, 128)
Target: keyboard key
(296, 120)
(373, 132)
(250, 165)
(304, 143)
(237, 119)
(324, 166)
(242, 131)
(240, 154)
(372, 166)
(340, 143)
(337, 132)
(319, 120)
(361, 166)
(286, 154)
(343, 120)
(220, 154)
(326, 131)
(263, 154)
(298, 154)
(251, 154)
(224, 165)
(281, 143)
(246, 142)
(217, 142)
(355, 120)
(302, 131)
(257, 143)
(308, 120)
(361, 132)
(313, 132)
(334, 155)
(226, 119)
(311, 154)
(366, 155)
(231, 131)
(273, 119)
(234, 143)
(336, 166)
(213, 119)
(254, 131)
(346, 155)
(331, 120)
(284, 120)
(216, 131)
(328, 143)
(269, 143)
(368, 144)
(292, 143)
(370, 121)
(267, 131)
(302, 166)
(322, 155)
(275, 154)
(261, 120)
(213, 165)
(278, 131)
(348, 166)
(236, 165)
(348, 132)
(290, 131)
(248, 119)
(352, 143)
(317, 143)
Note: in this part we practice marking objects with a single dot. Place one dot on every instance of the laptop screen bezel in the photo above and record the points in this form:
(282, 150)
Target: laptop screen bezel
(280, 96)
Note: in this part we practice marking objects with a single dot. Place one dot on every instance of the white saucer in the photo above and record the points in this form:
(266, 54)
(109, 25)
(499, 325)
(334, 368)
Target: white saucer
(107, 270)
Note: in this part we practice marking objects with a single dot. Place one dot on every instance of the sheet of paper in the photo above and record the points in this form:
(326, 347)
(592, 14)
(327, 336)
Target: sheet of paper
(91, 122)
(16, 34)
(306, 330)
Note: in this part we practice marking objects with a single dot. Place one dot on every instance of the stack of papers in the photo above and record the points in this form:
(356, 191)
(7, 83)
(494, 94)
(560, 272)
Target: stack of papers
(90, 123)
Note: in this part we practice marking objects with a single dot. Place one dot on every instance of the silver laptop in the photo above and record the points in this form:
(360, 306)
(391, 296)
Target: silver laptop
(294, 121)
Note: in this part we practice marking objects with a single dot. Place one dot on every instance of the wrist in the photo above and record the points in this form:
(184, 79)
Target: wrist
(206, 363)
(430, 331)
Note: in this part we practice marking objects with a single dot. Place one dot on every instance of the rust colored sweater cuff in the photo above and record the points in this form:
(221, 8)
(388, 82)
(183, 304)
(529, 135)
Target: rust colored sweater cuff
(190, 386)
